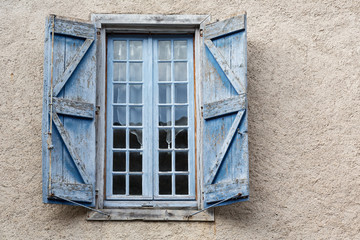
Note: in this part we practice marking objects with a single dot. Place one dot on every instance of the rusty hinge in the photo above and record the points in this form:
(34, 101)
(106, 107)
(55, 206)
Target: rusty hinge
(97, 110)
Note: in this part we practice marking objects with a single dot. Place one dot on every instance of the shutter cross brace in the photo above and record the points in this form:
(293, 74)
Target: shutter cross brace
(81, 205)
(214, 205)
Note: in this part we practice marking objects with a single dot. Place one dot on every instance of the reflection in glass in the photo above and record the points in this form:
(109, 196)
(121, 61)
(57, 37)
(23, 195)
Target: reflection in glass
(119, 93)
(164, 71)
(135, 52)
(165, 138)
(135, 162)
(135, 116)
(180, 71)
(119, 72)
(180, 49)
(119, 161)
(180, 93)
(119, 184)
(119, 116)
(181, 118)
(164, 116)
(120, 50)
(181, 138)
(181, 161)
(165, 184)
(119, 138)
(181, 185)
(164, 50)
(135, 93)
(164, 93)
(164, 161)
(135, 72)
(135, 138)
(135, 185)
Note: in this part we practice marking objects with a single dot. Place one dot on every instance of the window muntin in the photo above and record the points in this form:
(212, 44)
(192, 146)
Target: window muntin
(150, 135)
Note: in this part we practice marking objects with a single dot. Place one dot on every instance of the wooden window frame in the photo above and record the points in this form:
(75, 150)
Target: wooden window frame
(134, 23)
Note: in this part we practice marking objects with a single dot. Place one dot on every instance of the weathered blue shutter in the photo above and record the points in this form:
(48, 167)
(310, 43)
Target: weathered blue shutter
(225, 138)
(68, 130)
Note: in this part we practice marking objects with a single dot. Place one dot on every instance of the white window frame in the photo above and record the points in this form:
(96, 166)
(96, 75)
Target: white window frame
(134, 23)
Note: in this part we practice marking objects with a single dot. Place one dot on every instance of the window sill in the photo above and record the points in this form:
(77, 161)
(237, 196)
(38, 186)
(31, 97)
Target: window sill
(151, 215)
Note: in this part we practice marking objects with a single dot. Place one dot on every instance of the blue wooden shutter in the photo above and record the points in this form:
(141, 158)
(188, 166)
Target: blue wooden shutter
(225, 139)
(68, 130)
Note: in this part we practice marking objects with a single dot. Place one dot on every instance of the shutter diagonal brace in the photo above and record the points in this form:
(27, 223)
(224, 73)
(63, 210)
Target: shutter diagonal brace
(71, 148)
(225, 146)
(72, 66)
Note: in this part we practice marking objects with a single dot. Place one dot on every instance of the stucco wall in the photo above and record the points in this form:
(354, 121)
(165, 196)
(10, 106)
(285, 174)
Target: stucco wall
(304, 123)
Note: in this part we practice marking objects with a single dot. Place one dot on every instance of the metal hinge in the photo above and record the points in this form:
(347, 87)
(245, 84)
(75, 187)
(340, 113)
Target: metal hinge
(201, 32)
(97, 111)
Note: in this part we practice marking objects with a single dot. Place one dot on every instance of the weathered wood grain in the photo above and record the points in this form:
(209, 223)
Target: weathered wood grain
(60, 83)
(74, 191)
(151, 215)
(73, 108)
(222, 107)
(72, 149)
(74, 28)
(221, 28)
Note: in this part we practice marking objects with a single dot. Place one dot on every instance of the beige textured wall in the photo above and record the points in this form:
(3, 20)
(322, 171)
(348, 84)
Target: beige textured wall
(304, 123)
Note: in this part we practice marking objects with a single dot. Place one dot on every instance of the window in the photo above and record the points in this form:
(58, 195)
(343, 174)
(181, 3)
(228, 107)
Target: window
(150, 95)
(145, 116)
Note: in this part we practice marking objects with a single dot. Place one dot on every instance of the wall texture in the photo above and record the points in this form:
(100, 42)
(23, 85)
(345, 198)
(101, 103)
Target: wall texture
(304, 122)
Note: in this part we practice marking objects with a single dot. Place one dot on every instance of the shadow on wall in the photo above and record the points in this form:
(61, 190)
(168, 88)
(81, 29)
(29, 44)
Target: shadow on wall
(273, 91)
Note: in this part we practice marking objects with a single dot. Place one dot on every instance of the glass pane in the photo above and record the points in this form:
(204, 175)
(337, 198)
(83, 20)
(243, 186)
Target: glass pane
(164, 93)
(135, 116)
(119, 138)
(120, 72)
(165, 184)
(120, 50)
(165, 71)
(119, 184)
(180, 49)
(181, 118)
(180, 71)
(164, 50)
(135, 93)
(119, 161)
(119, 116)
(180, 93)
(135, 138)
(135, 74)
(135, 185)
(165, 138)
(181, 138)
(135, 50)
(181, 161)
(181, 185)
(135, 162)
(164, 161)
(164, 116)
(119, 93)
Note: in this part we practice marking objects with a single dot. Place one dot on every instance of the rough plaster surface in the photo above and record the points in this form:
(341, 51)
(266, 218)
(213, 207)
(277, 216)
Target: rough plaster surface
(304, 123)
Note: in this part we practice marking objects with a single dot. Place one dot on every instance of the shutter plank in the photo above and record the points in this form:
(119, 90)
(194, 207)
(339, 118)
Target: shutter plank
(225, 27)
(74, 191)
(225, 147)
(226, 189)
(225, 106)
(75, 29)
(71, 67)
(71, 148)
(232, 77)
(73, 108)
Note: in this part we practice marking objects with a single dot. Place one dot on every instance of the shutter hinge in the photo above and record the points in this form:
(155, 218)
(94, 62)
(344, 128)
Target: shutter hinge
(97, 110)
(201, 32)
